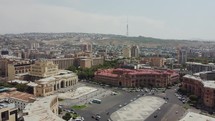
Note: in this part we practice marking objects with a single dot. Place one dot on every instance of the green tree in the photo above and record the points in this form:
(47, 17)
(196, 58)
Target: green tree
(67, 116)
(72, 68)
(88, 73)
(21, 87)
(193, 97)
(59, 110)
(182, 91)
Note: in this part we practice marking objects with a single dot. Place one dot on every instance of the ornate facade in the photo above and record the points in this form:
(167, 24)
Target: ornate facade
(51, 79)
(137, 78)
(203, 88)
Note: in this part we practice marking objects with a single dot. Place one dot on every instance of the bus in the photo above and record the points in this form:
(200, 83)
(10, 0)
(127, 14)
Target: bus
(96, 101)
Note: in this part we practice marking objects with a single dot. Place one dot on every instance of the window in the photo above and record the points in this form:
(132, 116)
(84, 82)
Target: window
(5, 116)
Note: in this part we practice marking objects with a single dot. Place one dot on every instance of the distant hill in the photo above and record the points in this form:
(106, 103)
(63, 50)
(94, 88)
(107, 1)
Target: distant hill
(103, 39)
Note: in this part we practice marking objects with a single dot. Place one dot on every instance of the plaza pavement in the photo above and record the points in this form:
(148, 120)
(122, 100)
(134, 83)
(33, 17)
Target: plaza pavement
(138, 110)
(79, 92)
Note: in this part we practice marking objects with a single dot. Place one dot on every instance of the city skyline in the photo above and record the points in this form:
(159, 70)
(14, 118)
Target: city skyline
(161, 19)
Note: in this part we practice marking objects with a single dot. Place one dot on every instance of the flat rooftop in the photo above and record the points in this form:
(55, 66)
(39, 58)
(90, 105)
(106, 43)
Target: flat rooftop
(18, 95)
(191, 116)
(60, 74)
(40, 110)
(206, 83)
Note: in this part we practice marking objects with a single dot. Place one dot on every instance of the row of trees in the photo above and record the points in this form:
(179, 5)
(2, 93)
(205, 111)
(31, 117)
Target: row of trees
(19, 87)
(202, 60)
(88, 73)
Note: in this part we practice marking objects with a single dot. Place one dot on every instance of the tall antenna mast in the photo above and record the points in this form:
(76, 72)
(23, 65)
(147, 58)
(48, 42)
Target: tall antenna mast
(127, 27)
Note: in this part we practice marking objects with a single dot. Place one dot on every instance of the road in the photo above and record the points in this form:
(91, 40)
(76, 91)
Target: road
(109, 104)
(168, 110)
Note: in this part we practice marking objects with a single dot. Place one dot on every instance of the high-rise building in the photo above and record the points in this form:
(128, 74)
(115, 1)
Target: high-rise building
(182, 56)
(126, 52)
(86, 47)
(135, 51)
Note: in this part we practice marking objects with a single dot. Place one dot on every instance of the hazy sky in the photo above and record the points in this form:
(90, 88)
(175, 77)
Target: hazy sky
(179, 19)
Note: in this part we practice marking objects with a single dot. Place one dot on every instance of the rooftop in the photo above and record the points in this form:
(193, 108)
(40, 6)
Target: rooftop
(18, 95)
(18, 81)
(40, 110)
(191, 116)
(195, 63)
(113, 72)
(6, 105)
(206, 83)
(61, 73)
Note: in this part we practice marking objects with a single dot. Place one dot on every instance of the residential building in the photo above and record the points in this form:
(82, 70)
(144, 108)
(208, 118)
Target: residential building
(18, 68)
(9, 67)
(182, 56)
(135, 51)
(86, 47)
(8, 112)
(201, 85)
(126, 52)
(45, 108)
(85, 63)
(199, 67)
(97, 61)
(20, 99)
(137, 78)
(191, 116)
(63, 63)
(153, 61)
(4, 66)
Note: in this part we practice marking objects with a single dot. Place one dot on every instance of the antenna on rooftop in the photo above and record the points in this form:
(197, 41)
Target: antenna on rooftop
(127, 27)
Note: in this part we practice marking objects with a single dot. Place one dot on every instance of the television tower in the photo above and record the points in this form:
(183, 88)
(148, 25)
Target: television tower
(127, 28)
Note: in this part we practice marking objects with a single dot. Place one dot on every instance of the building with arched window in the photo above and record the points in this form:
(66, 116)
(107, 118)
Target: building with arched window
(202, 85)
(137, 78)
(48, 79)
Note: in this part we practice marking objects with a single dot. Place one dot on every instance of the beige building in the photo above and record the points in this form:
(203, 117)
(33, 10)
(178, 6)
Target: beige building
(44, 68)
(97, 61)
(85, 63)
(63, 63)
(3, 66)
(135, 51)
(51, 79)
(8, 112)
(154, 61)
(126, 52)
(9, 67)
(44, 109)
(18, 68)
(20, 99)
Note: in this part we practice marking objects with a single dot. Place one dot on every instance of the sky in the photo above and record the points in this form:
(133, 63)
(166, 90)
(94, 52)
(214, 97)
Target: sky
(167, 19)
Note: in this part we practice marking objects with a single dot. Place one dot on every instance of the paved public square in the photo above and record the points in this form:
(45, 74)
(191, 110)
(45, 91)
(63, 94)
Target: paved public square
(79, 92)
(139, 109)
